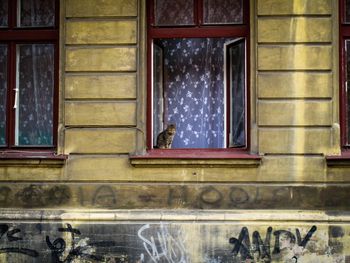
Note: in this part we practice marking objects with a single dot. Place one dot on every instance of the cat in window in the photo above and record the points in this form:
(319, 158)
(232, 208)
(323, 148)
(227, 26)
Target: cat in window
(165, 138)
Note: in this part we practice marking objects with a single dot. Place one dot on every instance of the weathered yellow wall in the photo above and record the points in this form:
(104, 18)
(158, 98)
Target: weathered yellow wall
(294, 108)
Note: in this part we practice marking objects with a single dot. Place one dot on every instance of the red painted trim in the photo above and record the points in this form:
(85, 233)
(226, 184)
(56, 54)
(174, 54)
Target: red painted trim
(199, 12)
(209, 31)
(248, 84)
(149, 93)
(12, 5)
(29, 35)
(48, 155)
(344, 31)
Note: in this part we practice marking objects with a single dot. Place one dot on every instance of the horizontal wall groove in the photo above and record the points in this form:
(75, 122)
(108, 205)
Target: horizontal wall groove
(98, 19)
(286, 16)
(291, 127)
(98, 73)
(289, 43)
(101, 127)
(107, 100)
(295, 44)
(269, 71)
(201, 184)
(295, 99)
(99, 46)
(284, 155)
(88, 73)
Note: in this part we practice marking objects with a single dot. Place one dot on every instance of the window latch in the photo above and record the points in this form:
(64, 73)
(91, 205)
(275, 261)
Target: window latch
(16, 98)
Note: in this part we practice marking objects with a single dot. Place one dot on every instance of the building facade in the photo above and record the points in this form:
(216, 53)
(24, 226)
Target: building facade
(105, 193)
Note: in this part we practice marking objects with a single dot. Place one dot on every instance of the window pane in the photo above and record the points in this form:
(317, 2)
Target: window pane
(194, 91)
(34, 110)
(158, 99)
(3, 93)
(175, 12)
(36, 13)
(347, 11)
(223, 11)
(237, 87)
(3, 13)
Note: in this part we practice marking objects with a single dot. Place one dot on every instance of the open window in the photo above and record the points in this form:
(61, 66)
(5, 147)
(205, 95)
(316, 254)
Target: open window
(197, 73)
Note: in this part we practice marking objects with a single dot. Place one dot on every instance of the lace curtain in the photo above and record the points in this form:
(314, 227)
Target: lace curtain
(3, 13)
(222, 11)
(37, 13)
(34, 110)
(181, 12)
(178, 12)
(194, 91)
(3, 93)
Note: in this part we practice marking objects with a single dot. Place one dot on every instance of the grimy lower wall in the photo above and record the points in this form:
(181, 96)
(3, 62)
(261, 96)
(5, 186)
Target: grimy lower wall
(97, 207)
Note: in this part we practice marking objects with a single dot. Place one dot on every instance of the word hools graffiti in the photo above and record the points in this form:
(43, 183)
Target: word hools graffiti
(286, 246)
(168, 248)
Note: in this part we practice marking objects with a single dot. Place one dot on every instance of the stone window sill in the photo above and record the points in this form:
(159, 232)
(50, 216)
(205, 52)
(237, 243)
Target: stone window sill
(35, 158)
(339, 160)
(195, 157)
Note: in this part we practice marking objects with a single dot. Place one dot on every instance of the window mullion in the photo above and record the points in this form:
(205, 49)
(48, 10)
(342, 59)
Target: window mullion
(12, 14)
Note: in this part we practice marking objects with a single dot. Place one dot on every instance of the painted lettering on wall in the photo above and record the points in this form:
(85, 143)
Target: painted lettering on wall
(164, 248)
(12, 235)
(192, 196)
(168, 242)
(261, 250)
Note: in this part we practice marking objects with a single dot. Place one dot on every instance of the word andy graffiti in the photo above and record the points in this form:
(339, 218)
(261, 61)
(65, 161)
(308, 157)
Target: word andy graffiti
(285, 241)
(81, 250)
(12, 237)
(164, 247)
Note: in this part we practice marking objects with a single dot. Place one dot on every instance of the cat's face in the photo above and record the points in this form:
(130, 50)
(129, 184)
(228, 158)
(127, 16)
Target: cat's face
(171, 129)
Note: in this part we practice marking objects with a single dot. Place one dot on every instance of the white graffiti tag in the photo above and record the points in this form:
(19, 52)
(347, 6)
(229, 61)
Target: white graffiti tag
(165, 248)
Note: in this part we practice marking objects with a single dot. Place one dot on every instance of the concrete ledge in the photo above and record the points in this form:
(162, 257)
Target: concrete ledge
(178, 215)
(195, 157)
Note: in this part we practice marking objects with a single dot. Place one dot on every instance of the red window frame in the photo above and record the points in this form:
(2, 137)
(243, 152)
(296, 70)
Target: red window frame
(199, 29)
(13, 35)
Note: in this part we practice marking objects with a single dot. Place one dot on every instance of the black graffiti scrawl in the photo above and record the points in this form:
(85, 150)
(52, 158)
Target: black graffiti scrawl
(260, 249)
(162, 242)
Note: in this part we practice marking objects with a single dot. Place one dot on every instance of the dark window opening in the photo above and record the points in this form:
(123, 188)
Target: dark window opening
(193, 80)
(197, 80)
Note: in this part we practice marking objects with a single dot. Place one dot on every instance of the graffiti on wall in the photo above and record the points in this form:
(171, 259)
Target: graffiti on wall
(165, 242)
(196, 196)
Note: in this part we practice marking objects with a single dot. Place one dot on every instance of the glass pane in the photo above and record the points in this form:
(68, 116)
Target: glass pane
(36, 13)
(3, 93)
(194, 91)
(35, 83)
(3, 13)
(347, 11)
(173, 13)
(223, 11)
(348, 84)
(237, 86)
(158, 101)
